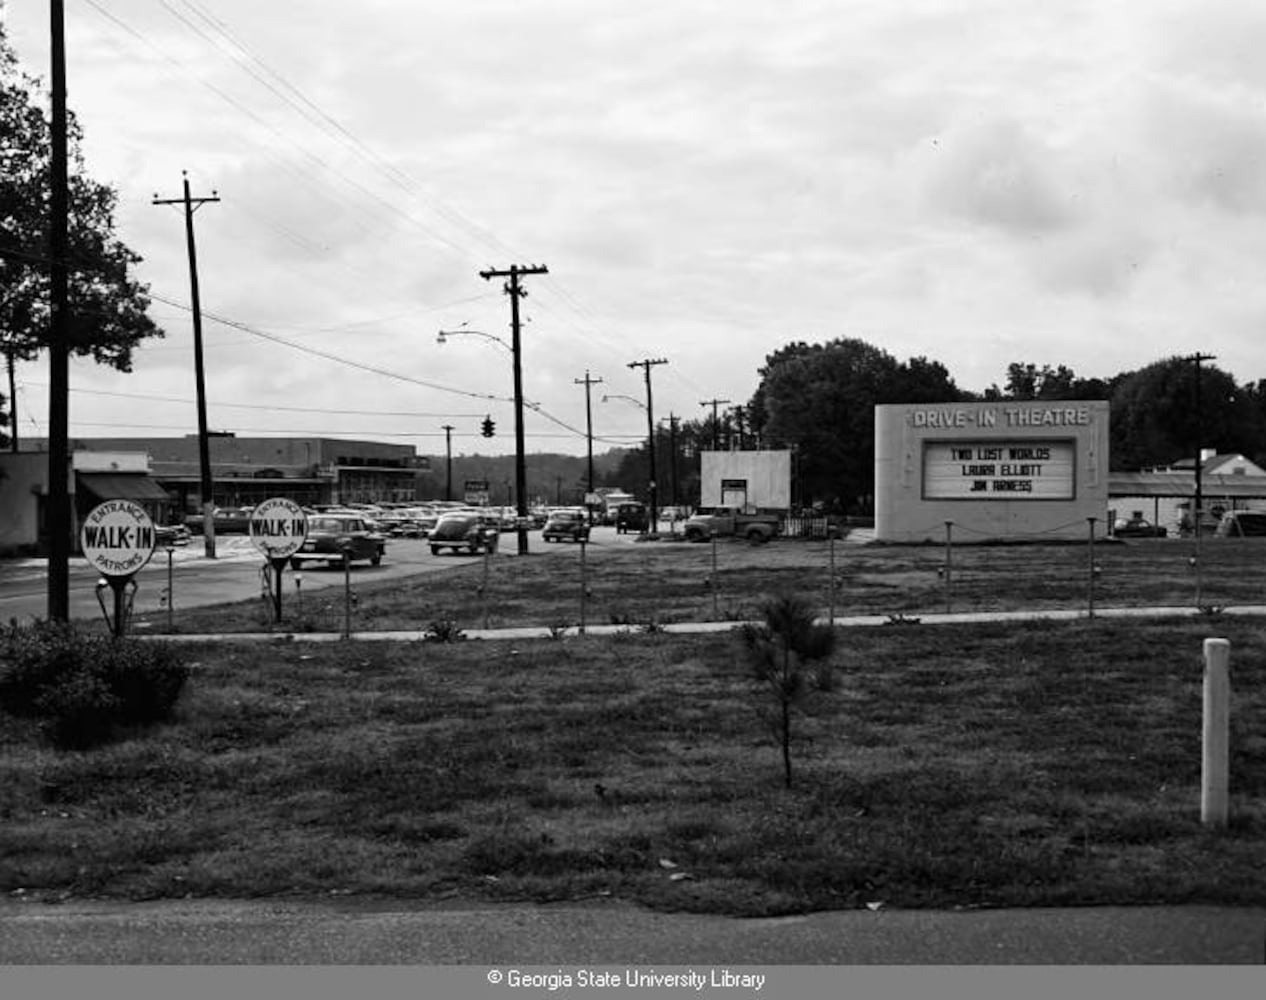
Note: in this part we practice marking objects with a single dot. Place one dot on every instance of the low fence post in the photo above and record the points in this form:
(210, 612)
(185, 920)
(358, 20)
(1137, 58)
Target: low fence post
(949, 565)
(347, 592)
(483, 588)
(1090, 571)
(584, 584)
(1214, 759)
(831, 605)
(716, 613)
(171, 593)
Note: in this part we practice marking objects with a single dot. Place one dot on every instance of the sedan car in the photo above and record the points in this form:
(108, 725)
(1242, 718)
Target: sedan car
(465, 531)
(1242, 523)
(226, 521)
(566, 526)
(1137, 527)
(171, 534)
(330, 536)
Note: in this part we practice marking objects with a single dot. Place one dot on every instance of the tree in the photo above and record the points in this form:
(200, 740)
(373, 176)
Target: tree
(107, 305)
(1028, 381)
(1156, 419)
(780, 650)
(821, 399)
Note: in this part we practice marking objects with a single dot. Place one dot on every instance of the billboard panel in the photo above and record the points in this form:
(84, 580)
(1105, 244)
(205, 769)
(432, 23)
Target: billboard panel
(1000, 469)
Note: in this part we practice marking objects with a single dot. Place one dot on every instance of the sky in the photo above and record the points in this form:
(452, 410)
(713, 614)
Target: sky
(975, 182)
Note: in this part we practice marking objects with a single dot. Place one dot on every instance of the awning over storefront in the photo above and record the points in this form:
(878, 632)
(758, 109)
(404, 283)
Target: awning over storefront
(122, 486)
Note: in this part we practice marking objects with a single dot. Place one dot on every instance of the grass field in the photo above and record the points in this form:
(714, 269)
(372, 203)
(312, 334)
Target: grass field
(948, 765)
(667, 582)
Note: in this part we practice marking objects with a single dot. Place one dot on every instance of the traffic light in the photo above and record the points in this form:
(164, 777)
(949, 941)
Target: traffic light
(489, 427)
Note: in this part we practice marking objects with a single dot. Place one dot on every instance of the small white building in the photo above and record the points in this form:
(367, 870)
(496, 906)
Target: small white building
(1165, 496)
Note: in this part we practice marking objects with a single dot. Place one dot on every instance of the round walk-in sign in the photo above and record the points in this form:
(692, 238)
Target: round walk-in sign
(278, 527)
(117, 537)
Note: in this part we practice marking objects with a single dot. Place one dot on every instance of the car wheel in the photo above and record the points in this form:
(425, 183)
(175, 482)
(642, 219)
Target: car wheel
(435, 550)
(375, 559)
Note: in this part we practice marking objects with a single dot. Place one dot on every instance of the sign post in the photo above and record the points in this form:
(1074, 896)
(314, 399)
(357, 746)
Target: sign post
(476, 493)
(118, 538)
(278, 529)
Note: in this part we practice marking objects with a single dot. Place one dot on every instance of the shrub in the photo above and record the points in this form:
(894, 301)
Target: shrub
(779, 652)
(82, 688)
(443, 630)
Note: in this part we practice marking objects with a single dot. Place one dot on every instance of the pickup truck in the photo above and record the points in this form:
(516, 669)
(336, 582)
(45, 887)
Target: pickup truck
(723, 522)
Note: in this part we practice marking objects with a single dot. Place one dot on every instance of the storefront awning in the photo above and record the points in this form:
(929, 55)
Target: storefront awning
(122, 486)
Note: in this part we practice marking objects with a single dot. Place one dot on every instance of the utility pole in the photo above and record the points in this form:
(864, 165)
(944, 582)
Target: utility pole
(588, 382)
(672, 454)
(58, 512)
(716, 425)
(204, 450)
(650, 435)
(448, 461)
(13, 402)
(513, 289)
(1199, 507)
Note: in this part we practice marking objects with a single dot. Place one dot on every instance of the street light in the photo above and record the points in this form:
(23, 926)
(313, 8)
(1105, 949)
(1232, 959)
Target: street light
(632, 399)
(443, 336)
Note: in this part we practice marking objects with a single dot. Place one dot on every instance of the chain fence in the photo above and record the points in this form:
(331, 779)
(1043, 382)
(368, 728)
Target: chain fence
(657, 583)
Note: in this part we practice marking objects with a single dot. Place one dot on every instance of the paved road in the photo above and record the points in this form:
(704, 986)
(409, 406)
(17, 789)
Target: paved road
(607, 933)
(234, 574)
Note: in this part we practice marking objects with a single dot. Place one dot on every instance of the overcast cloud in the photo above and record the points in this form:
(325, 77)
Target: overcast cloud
(978, 182)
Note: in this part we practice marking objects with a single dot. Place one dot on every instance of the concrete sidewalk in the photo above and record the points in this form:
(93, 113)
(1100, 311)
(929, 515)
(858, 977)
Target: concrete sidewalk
(853, 621)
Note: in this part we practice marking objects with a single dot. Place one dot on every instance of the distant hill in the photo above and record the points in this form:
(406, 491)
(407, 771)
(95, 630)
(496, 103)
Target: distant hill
(551, 478)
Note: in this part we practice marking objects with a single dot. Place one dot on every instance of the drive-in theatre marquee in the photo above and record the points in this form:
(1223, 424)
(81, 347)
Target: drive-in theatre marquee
(990, 470)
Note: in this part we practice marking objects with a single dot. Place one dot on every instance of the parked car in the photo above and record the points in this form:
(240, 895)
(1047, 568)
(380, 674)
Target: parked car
(1138, 527)
(566, 525)
(172, 534)
(465, 531)
(630, 517)
(227, 521)
(332, 535)
(1242, 523)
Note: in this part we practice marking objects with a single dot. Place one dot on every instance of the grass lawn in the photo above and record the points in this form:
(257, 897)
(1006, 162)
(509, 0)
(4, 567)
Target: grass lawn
(948, 765)
(669, 582)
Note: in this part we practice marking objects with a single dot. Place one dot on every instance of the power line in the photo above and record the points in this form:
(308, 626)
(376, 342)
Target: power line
(268, 406)
(314, 114)
(342, 432)
(236, 325)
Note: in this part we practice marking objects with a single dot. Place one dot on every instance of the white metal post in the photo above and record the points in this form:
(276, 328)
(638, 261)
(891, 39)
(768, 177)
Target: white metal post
(584, 585)
(1217, 697)
(831, 609)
